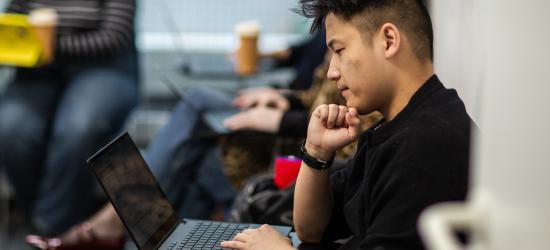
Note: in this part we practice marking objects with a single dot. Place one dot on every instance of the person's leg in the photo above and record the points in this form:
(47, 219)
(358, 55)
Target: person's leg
(174, 139)
(179, 161)
(26, 108)
(209, 188)
(212, 178)
(92, 109)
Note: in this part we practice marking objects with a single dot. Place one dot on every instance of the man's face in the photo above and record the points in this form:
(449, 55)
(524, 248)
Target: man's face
(357, 66)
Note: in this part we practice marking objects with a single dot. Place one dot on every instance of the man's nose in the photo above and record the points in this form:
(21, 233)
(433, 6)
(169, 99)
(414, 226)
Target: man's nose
(333, 72)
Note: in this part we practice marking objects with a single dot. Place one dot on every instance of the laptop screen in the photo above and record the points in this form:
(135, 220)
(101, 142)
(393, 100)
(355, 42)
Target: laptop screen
(134, 192)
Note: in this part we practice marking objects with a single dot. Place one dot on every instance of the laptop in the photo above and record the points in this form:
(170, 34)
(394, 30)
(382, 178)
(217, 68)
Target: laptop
(213, 118)
(143, 208)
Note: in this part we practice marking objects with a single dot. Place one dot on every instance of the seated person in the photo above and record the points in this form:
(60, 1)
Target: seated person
(52, 118)
(414, 158)
(176, 154)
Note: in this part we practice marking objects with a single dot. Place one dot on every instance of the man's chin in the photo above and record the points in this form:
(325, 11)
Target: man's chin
(362, 110)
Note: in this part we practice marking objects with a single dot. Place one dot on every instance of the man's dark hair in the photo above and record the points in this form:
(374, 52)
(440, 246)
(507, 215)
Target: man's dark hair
(410, 16)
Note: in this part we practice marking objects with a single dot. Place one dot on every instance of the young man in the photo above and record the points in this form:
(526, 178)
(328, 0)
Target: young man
(417, 156)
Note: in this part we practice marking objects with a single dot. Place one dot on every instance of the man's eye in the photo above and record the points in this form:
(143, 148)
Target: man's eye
(339, 51)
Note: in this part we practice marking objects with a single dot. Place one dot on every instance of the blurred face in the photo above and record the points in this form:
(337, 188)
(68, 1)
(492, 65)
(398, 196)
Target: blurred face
(357, 66)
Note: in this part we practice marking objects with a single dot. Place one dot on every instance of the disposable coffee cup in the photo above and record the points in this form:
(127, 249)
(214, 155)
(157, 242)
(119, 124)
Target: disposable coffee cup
(286, 171)
(247, 53)
(44, 23)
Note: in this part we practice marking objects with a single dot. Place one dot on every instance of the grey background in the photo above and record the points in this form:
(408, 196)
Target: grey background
(207, 16)
(218, 15)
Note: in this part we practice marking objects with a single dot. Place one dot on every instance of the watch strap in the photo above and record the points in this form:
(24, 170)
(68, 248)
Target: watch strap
(313, 162)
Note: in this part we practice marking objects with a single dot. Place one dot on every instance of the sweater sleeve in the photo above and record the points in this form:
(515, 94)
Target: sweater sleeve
(294, 101)
(114, 34)
(294, 124)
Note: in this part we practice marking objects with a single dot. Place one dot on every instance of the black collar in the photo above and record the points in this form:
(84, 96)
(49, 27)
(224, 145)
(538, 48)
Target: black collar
(382, 130)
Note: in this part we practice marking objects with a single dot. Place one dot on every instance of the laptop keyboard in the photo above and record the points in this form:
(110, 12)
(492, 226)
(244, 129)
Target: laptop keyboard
(208, 235)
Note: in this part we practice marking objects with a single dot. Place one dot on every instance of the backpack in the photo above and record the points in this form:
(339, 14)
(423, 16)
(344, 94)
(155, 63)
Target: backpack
(261, 202)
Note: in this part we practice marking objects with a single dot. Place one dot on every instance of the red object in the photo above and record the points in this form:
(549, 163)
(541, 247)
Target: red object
(286, 170)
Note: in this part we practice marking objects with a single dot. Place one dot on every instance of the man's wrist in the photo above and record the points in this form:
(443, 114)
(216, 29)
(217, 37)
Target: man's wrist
(318, 152)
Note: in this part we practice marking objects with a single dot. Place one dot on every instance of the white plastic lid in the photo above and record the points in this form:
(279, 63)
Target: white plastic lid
(248, 28)
(43, 17)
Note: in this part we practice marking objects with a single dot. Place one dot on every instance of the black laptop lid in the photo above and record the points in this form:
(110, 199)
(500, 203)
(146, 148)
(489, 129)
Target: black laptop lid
(134, 192)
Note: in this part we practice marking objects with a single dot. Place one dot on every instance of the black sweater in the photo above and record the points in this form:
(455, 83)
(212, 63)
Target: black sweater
(401, 167)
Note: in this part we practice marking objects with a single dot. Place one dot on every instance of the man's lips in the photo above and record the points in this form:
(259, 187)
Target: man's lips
(342, 88)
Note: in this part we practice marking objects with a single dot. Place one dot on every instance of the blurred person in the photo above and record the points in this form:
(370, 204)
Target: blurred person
(55, 116)
(417, 156)
(303, 57)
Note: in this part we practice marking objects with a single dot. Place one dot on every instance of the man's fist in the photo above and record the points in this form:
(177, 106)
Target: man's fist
(331, 127)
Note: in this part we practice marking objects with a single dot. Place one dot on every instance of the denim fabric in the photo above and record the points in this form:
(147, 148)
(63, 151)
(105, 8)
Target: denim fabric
(51, 120)
(189, 168)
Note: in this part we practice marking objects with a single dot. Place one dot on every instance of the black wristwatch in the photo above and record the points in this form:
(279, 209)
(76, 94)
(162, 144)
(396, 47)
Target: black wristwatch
(313, 162)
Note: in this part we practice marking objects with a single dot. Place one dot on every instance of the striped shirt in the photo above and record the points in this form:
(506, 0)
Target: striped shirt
(87, 29)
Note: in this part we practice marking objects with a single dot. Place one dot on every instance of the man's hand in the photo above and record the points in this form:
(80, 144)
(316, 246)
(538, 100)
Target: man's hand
(261, 97)
(331, 127)
(265, 237)
(260, 119)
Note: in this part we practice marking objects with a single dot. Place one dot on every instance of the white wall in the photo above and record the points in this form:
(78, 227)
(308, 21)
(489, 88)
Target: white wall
(458, 49)
(500, 47)
(513, 157)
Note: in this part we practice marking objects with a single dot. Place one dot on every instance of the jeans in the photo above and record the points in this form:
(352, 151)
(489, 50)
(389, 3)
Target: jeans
(51, 120)
(189, 168)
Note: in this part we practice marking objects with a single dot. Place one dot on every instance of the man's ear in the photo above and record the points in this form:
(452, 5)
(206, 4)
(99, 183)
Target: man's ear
(391, 39)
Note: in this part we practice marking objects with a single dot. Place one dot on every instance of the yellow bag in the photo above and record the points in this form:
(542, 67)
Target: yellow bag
(19, 44)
